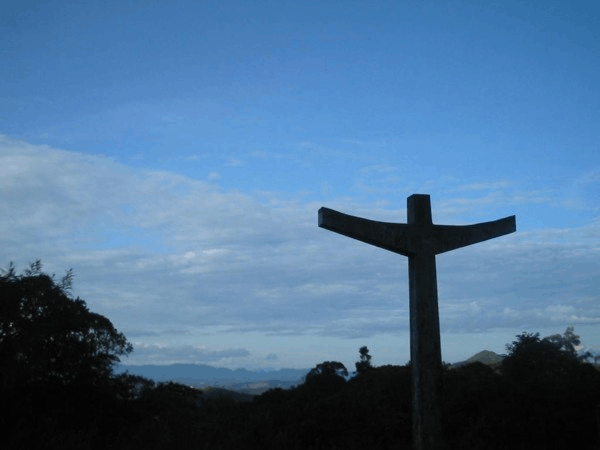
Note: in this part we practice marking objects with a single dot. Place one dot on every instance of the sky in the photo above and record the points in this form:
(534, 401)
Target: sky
(175, 155)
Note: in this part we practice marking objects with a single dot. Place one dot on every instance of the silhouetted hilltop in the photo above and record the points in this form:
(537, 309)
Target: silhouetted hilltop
(486, 357)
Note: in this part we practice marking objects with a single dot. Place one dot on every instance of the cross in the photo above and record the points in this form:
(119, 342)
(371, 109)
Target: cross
(420, 240)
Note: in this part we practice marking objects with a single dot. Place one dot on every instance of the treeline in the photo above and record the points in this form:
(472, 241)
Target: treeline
(59, 392)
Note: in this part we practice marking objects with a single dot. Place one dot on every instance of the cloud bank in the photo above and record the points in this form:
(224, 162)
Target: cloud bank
(171, 259)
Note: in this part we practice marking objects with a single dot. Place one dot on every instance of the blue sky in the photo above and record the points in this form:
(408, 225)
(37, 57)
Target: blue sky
(175, 155)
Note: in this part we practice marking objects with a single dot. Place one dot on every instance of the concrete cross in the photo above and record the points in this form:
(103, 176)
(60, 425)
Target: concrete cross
(420, 240)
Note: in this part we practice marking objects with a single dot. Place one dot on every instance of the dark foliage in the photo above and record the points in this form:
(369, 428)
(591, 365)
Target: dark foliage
(46, 336)
(327, 369)
(365, 360)
(56, 359)
(543, 396)
(326, 377)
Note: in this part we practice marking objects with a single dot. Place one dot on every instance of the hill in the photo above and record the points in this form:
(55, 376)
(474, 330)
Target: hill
(486, 357)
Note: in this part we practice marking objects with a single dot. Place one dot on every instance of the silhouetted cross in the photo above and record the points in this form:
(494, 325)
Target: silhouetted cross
(420, 240)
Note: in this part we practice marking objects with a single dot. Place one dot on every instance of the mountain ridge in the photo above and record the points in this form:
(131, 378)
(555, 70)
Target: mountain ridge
(486, 357)
(200, 375)
(205, 375)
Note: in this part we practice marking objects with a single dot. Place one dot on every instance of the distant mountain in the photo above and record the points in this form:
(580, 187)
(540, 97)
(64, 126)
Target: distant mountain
(249, 382)
(486, 357)
(200, 375)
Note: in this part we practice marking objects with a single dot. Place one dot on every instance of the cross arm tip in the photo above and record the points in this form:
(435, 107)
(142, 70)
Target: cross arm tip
(327, 216)
(451, 237)
(509, 224)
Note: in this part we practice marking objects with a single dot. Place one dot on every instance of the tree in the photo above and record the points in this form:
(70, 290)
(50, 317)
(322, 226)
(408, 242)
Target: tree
(47, 336)
(561, 346)
(549, 388)
(550, 361)
(325, 380)
(567, 343)
(327, 376)
(327, 369)
(365, 361)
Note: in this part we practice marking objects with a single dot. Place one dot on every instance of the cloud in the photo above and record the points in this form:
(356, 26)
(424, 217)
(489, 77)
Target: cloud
(156, 252)
(212, 251)
(169, 354)
(131, 334)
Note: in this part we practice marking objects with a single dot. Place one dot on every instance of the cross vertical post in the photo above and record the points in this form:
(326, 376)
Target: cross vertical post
(420, 240)
(425, 343)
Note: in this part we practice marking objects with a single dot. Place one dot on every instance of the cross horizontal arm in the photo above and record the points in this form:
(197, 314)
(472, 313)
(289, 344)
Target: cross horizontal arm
(451, 237)
(409, 240)
(386, 235)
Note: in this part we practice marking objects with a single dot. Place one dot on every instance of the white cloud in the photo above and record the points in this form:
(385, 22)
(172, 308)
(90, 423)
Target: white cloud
(161, 254)
(158, 353)
(212, 251)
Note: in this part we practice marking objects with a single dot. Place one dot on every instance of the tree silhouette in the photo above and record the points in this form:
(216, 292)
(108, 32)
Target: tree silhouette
(365, 361)
(325, 378)
(47, 336)
(327, 369)
(567, 343)
(549, 392)
(531, 351)
(545, 365)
